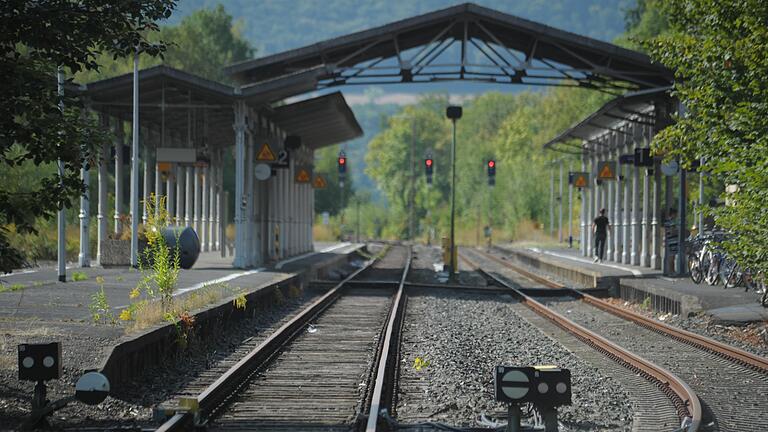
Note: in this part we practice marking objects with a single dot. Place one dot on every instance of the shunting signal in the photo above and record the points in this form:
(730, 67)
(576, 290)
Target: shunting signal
(491, 172)
(342, 163)
(428, 167)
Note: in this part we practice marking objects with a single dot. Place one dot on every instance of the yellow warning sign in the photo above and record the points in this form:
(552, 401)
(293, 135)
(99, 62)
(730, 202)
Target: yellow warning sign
(319, 182)
(607, 171)
(303, 176)
(580, 180)
(266, 153)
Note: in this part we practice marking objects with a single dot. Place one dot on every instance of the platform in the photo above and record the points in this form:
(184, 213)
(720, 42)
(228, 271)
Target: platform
(642, 285)
(42, 309)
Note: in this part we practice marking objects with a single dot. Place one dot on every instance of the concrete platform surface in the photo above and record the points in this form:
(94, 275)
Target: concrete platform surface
(675, 295)
(38, 295)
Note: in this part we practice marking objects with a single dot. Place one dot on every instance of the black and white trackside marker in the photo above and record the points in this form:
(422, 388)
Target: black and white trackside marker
(92, 388)
(545, 386)
(39, 362)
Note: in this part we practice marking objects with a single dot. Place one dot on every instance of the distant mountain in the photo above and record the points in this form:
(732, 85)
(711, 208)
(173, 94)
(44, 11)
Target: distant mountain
(277, 25)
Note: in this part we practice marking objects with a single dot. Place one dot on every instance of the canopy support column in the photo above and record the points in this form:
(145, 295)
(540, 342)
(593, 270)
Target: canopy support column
(239, 126)
(84, 257)
(618, 222)
(101, 216)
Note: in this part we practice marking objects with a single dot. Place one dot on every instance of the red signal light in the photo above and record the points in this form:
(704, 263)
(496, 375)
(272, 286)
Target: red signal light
(491, 164)
(342, 161)
(428, 162)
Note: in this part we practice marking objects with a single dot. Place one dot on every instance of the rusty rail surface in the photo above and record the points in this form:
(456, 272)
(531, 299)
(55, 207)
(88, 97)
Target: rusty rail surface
(385, 373)
(237, 376)
(682, 396)
(702, 342)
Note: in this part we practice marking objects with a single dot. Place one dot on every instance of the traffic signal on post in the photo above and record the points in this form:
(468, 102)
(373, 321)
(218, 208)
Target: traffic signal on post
(342, 163)
(491, 172)
(428, 167)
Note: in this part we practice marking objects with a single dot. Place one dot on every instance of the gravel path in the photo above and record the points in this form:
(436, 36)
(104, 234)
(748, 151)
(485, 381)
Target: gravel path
(463, 336)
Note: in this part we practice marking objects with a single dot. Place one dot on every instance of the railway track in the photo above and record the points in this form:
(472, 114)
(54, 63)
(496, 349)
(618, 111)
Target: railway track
(728, 384)
(318, 371)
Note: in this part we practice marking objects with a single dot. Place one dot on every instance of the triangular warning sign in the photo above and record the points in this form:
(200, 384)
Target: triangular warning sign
(580, 181)
(266, 153)
(302, 176)
(319, 182)
(606, 172)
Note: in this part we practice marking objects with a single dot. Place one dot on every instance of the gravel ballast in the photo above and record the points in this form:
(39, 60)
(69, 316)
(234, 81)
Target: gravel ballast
(464, 336)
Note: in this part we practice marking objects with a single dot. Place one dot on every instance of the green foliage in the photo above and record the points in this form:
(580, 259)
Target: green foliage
(160, 266)
(720, 53)
(79, 276)
(202, 43)
(101, 312)
(643, 22)
(37, 125)
(507, 127)
(240, 301)
(12, 287)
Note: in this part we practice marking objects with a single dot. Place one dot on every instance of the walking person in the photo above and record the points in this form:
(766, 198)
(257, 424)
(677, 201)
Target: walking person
(600, 227)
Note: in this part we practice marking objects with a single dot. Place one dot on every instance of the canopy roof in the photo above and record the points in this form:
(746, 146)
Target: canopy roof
(177, 100)
(321, 121)
(467, 42)
(633, 107)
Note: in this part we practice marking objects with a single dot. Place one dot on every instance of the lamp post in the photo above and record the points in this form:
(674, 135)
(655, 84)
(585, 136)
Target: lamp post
(453, 112)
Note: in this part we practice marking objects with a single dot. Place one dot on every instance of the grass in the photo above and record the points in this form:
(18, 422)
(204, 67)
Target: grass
(151, 313)
(12, 287)
(79, 276)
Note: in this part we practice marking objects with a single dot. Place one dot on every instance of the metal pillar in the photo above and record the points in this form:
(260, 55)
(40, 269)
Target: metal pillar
(682, 210)
(188, 199)
(592, 193)
(84, 256)
(212, 209)
(701, 196)
(158, 186)
(583, 204)
(249, 199)
(560, 207)
(240, 127)
(204, 222)
(170, 190)
(618, 223)
(609, 208)
(119, 148)
(635, 250)
(645, 256)
(552, 202)
(196, 198)
(101, 215)
(570, 212)
(656, 218)
(135, 167)
(627, 226)
(148, 170)
(180, 191)
(453, 268)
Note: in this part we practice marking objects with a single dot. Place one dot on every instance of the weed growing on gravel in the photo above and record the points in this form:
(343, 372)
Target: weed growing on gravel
(119, 278)
(12, 287)
(421, 362)
(101, 313)
(79, 276)
(162, 272)
(240, 301)
(646, 304)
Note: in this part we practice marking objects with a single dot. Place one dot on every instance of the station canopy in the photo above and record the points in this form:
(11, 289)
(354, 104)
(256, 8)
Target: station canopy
(641, 107)
(175, 100)
(464, 42)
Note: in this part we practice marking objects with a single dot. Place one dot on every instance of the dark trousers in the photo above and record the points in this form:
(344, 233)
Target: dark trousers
(600, 246)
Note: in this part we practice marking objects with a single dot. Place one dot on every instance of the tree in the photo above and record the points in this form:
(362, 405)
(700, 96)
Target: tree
(719, 50)
(37, 38)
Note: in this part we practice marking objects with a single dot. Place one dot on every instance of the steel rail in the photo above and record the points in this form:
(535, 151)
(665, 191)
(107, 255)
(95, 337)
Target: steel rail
(718, 348)
(682, 396)
(237, 376)
(387, 363)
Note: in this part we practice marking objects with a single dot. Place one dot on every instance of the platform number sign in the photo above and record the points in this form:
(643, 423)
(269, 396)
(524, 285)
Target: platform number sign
(283, 159)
